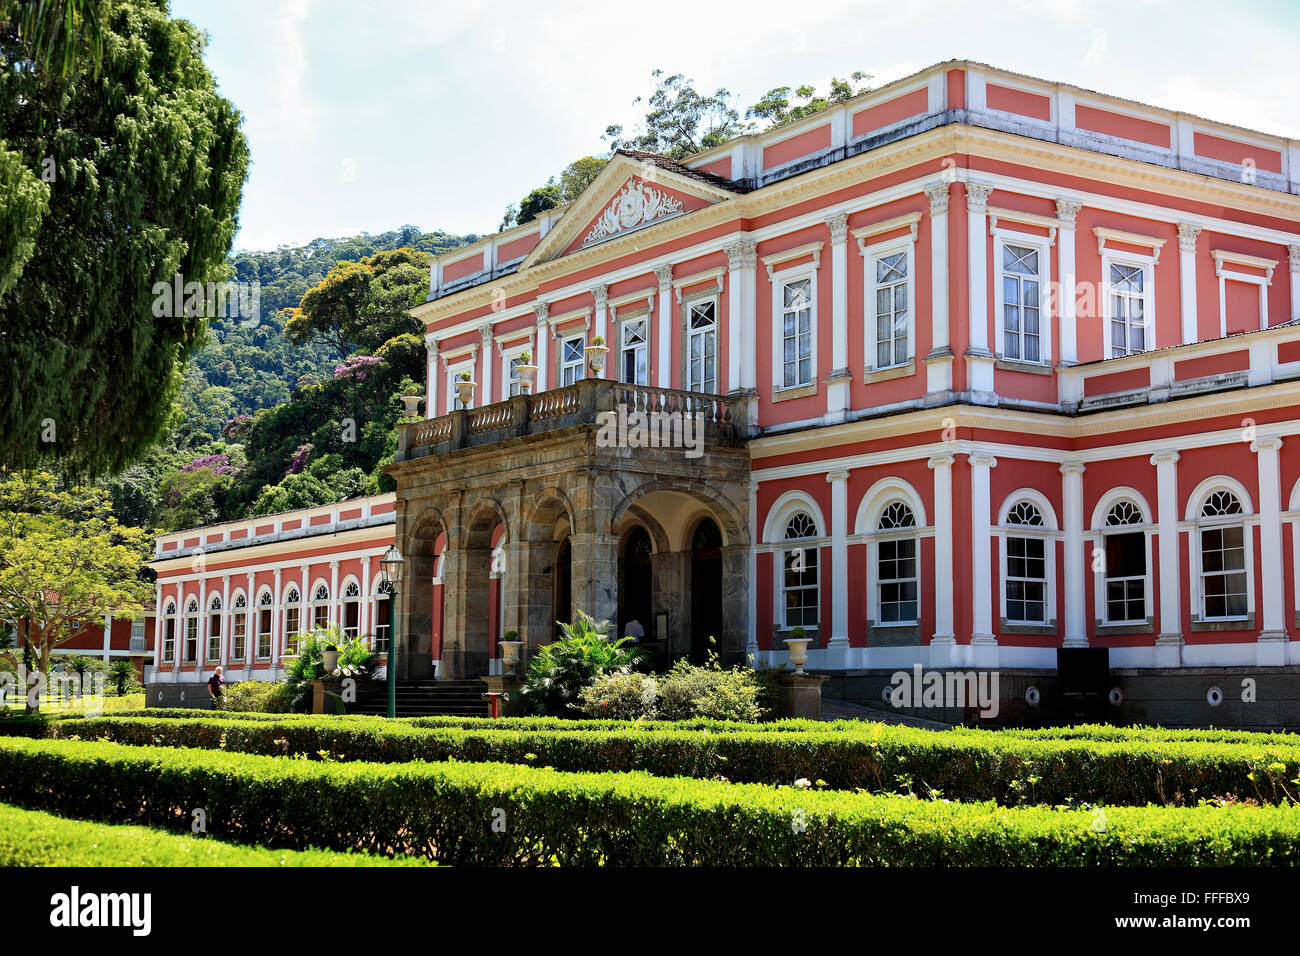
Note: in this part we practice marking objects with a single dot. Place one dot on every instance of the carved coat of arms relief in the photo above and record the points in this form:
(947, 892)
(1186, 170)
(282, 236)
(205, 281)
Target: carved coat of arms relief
(636, 205)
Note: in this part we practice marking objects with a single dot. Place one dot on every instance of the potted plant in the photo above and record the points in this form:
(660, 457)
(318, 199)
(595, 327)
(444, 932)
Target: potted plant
(525, 370)
(596, 353)
(465, 387)
(510, 648)
(797, 643)
(329, 658)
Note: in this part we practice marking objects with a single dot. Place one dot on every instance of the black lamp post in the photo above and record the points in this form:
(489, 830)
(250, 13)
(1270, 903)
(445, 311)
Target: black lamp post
(391, 566)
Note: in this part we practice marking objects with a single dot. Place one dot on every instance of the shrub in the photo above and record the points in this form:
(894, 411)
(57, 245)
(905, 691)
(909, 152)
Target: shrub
(444, 811)
(558, 672)
(33, 838)
(122, 678)
(309, 665)
(622, 695)
(706, 690)
(270, 697)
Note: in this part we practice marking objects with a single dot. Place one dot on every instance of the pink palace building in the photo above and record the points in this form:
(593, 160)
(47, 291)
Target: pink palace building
(980, 367)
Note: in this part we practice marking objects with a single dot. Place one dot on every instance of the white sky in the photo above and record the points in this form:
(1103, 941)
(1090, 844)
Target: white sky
(366, 116)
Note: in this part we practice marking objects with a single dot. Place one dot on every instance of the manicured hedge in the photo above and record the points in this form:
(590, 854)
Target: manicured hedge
(883, 758)
(33, 838)
(446, 811)
(1108, 732)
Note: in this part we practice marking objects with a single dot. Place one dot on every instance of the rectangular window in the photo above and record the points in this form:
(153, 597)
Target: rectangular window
(239, 636)
(799, 587)
(1223, 572)
(214, 637)
(892, 314)
(169, 641)
(896, 568)
(264, 634)
(191, 639)
(320, 616)
(1026, 581)
(351, 618)
(572, 359)
(1021, 304)
(1126, 297)
(292, 628)
(1126, 569)
(453, 393)
(702, 347)
(633, 367)
(137, 629)
(796, 334)
(513, 372)
(383, 618)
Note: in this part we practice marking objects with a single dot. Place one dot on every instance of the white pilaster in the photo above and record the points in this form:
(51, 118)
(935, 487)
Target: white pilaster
(336, 617)
(943, 643)
(938, 363)
(250, 624)
(227, 615)
(1169, 643)
(363, 613)
(979, 360)
(1067, 211)
(276, 626)
(541, 359)
(601, 294)
(837, 647)
(201, 645)
(485, 375)
(159, 627)
(664, 332)
(1076, 631)
(742, 262)
(430, 381)
(837, 382)
(1272, 647)
(1187, 236)
(984, 646)
(108, 637)
(1293, 259)
(751, 640)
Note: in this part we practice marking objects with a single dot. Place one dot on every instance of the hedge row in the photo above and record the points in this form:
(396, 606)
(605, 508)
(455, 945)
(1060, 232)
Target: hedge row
(33, 838)
(1109, 732)
(492, 814)
(965, 767)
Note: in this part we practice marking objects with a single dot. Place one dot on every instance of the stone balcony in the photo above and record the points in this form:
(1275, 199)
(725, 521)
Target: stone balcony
(588, 402)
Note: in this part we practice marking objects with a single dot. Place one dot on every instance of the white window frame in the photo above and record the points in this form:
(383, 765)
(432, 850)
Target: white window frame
(578, 366)
(623, 322)
(238, 617)
(1148, 266)
(874, 539)
(510, 383)
(171, 615)
(453, 376)
(317, 603)
(271, 610)
(789, 545)
(688, 382)
(1050, 534)
(1043, 246)
(215, 609)
(872, 254)
(1247, 521)
(1097, 539)
(288, 639)
(1225, 276)
(344, 600)
(781, 279)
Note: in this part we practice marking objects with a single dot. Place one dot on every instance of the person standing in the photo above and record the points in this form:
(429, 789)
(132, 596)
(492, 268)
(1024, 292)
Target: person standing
(217, 687)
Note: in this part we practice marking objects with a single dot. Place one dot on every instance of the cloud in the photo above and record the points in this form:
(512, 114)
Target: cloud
(1097, 52)
(287, 111)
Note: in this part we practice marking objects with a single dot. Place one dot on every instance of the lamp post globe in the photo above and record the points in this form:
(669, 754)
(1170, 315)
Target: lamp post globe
(391, 566)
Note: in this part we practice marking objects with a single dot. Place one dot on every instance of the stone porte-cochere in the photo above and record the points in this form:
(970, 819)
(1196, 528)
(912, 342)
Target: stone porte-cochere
(531, 491)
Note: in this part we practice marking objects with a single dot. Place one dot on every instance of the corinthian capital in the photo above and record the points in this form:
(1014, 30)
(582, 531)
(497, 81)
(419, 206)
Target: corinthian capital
(1187, 236)
(977, 197)
(601, 294)
(1067, 210)
(664, 274)
(742, 254)
(543, 312)
(938, 196)
(839, 225)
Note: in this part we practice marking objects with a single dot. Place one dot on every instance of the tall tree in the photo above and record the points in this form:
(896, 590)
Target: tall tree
(65, 563)
(142, 169)
(775, 109)
(65, 32)
(680, 121)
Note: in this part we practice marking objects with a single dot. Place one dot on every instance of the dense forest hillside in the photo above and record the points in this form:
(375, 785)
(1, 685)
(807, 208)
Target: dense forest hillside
(274, 414)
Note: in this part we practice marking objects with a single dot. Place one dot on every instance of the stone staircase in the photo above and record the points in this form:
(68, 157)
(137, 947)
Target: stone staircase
(424, 698)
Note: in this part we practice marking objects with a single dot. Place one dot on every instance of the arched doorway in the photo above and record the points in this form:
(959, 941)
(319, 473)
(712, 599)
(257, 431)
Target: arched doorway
(562, 603)
(636, 583)
(706, 588)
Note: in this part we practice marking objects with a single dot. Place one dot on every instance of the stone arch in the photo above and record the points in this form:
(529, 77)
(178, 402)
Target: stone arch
(733, 525)
(468, 640)
(415, 606)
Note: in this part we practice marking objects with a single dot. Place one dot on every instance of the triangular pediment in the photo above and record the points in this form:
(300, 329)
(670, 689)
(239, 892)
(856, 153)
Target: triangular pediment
(629, 194)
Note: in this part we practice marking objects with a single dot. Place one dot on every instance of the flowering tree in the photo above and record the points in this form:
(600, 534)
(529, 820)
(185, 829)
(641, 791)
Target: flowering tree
(357, 366)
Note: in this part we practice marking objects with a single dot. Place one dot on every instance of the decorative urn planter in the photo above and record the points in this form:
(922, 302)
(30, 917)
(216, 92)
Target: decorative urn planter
(510, 657)
(596, 353)
(798, 647)
(526, 374)
(465, 389)
(412, 403)
(330, 660)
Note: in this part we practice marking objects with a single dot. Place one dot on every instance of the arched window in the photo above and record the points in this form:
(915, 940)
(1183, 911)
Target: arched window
(352, 609)
(383, 615)
(897, 600)
(264, 612)
(1025, 575)
(320, 606)
(169, 633)
(239, 627)
(191, 631)
(1125, 574)
(214, 628)
(799, 590)
(1224, 579)
(292, 619)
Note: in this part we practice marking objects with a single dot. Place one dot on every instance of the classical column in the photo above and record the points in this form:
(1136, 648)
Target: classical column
(159, 628)
(837, 382)
(751, 642)
(108, 638)
(276, 626)
(227, 614)
(1272, 647)
(1169, 644)
(541, 360)
(201, 648)
(594, 574)
(837, 647)
(938, 363)
(984, 647)
(1067, 211)
(663, 376)
(601, 294)
(485, 381)
(1076, 632)
(304, 608)
(336, 618)
(250, 621)
(979, 360)
(178, 632)
(431, 377)
(1293, 259)
(1187, 236)
(363, 612)
(742, 262)
(943, 643)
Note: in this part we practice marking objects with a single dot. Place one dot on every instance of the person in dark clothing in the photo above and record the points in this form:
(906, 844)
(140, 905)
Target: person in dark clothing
(216, 687)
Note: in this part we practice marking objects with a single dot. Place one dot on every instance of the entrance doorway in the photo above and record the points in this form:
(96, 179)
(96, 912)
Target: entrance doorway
(562, 607)
(706, 588)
